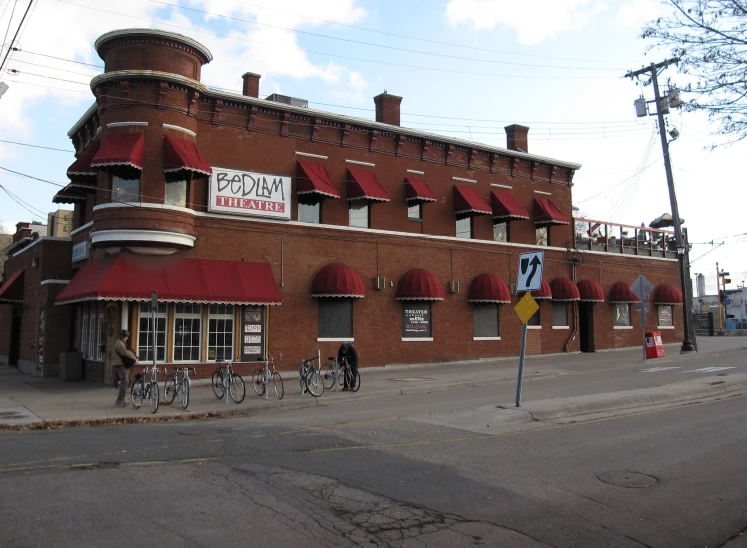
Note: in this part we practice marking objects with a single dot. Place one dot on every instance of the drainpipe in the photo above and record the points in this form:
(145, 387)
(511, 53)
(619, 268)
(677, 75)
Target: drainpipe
(282, 259)
(574, 330)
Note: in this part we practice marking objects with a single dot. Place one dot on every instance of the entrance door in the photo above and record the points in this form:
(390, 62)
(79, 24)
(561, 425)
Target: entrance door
(15, 337)
(586, 326)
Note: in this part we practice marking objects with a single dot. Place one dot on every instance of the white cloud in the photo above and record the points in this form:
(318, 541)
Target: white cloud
(638, 12)
(534, 20)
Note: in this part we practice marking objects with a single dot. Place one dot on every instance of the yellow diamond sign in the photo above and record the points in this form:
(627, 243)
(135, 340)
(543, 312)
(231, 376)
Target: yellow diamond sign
(526, 308)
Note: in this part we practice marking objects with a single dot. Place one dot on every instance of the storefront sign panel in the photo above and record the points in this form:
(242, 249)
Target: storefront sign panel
(417, 321)
(249, 193)
(80, 251)
(252, 341)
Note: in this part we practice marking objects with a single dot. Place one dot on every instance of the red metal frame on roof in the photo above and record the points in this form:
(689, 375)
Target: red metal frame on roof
(620, 293)
(488, 288)
(363, 185)
(180, 154)
(547, 213)
(505, 206)
(130, 277)
(81, 167)
(666, 294)
(564, 289)
(337, 280)
(417, 190)
(590, 291)
(419, 285)
(126, 149)
(315, 180)
(467, 201)
(12, 289)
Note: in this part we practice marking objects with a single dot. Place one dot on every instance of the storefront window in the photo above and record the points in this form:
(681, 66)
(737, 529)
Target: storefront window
(416, 320)
(464, 228)
(310, 213)
(560, 314)
(415, 212)
(125, 184)
(91, 352)
(664, 315)
(187, 330)
(101, 337)
(543, 235)
(621, 315)
(486, 320)
(360, 214)
(535, 319)
(145, 333)
(500, 232)
(220, 332)
(177, 188)
(84, 332)
(335, 318)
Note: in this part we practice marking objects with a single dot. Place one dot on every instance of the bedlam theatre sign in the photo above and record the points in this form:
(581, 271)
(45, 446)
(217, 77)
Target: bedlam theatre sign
(249, 193)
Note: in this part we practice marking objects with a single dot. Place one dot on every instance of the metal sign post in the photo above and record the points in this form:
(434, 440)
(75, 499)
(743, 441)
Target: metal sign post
(641, 288)
(520, 380)
(153, 308)
(525, 309)
(642, 309)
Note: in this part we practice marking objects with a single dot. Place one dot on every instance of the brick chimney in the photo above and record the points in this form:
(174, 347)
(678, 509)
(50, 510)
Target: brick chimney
(516, 138)
(387, 108)
(251, 84)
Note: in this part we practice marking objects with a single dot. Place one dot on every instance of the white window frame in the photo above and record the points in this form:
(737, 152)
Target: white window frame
(658, 317)
(91, 352)
(557, 304)
(614, 316)
(318, 205)
(359, 205)
(471, 221)
(189, 316)
(545, 242)
(222, 316)
(142, 352)
(84, 331)
(101, 332)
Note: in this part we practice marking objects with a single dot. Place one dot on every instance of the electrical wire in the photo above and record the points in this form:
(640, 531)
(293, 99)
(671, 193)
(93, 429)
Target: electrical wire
(18, 30)
(7, 29)
(54, 57)
(624, 203)
(17, 200)
(37, 146)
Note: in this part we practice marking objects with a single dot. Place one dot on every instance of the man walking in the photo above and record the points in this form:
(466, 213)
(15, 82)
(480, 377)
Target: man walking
(124, 359)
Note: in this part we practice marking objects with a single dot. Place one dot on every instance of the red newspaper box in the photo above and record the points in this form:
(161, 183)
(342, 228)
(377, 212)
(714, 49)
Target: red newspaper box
(654, 345)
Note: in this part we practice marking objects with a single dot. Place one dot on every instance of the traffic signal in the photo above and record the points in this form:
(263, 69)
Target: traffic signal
(727, 281)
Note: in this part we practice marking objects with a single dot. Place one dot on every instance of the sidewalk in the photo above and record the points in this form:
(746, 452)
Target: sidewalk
(600, 381)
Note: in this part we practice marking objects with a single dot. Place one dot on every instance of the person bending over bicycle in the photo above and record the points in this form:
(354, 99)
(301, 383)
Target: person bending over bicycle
(347, 352)
(124, 359)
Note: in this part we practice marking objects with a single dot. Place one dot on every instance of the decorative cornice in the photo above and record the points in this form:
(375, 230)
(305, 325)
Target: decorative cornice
(153, 34)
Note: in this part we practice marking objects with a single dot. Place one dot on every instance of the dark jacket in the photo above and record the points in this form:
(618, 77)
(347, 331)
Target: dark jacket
(347, 350)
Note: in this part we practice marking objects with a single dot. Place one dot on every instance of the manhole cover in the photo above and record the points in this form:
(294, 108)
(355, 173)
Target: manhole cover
(630, 480)
(412, 379)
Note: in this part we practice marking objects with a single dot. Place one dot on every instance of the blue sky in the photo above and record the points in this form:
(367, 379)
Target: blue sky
(554, 65)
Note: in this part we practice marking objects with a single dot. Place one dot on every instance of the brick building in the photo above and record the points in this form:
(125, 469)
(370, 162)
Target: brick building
(60, 223)
(267, 226)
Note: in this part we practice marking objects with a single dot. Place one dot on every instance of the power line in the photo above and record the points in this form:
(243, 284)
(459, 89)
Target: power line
(37, 146)
(618, 184)
(56, 68)
(58, 58)
(7, 53)
(16, 200)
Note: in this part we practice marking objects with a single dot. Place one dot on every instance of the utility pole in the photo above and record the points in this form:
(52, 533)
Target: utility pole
(718, 298)
(653, 69)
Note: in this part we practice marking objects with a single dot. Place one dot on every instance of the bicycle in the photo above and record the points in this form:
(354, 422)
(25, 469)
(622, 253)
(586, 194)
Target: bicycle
(333, 372)
(139, 390)
(264, 375)
(174, 386)
(229, 382)
(309, 378)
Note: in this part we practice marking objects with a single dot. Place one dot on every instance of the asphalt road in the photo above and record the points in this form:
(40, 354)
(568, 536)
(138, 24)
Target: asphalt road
(388, 472)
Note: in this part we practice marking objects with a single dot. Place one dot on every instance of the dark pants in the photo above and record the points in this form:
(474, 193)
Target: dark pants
(123, 375)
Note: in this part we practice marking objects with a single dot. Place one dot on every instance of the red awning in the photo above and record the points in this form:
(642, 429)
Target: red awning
(590, 291)
(547, 213)
(337, 280)
(12, 289)
(81, 167)
(505, 206)
(363, 185)
(467, 201)
(180, 154)
(315, 180)
(620, 293)
(72, 193)
(130, 277)
(121, 150)
(417, 190)
(666, 294)
(564, 289)
(488, 288)
(419, 285)
(544, 292)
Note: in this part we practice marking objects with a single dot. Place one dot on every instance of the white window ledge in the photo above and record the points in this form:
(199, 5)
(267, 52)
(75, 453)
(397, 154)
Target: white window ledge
(622, 327)
(534, 327)
(486, 338)
(335, 339)
(417, 339)
(561, 326)
(664, 327)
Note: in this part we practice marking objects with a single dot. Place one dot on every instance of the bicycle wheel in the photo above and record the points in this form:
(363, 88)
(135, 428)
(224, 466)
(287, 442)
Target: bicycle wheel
(258, 382)
(237, 388)
(217, 382)
(356, 382)
(169, 390)
(314, 384)
(328, 376)
(136, 393)
(277, 382)
(154, 399)
(185, 392)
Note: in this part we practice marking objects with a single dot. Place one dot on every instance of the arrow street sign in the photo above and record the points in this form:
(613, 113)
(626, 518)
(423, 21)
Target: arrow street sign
(641, 287)
(530, 271)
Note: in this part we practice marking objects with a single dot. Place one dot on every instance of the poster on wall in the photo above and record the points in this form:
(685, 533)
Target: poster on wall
(252, 333)
(417, 321)
(249, 193)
